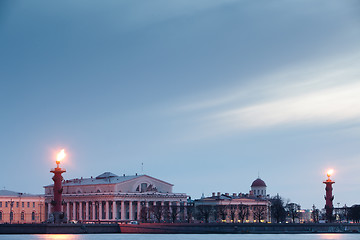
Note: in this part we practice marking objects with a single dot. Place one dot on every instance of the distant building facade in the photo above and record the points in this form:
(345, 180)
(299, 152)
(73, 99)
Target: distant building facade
(251, 207)
(109, 197)
(16, 207)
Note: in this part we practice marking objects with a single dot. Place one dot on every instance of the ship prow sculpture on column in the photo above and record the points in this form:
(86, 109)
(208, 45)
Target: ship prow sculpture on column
(57, 213)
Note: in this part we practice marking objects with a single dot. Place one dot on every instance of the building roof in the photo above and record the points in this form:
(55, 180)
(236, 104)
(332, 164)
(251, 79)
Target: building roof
(104, 178)
(106, 175)
(8, 193)
(258, 183)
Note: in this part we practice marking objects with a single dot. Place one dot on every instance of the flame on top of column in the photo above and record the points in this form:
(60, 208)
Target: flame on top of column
(330, 172)
(60, 156)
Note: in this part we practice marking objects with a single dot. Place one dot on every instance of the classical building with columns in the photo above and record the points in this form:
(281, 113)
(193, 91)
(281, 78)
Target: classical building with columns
(237, 207)
(109, 197)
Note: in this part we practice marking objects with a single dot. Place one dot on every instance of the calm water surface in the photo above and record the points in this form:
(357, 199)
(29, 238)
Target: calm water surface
(183, 237)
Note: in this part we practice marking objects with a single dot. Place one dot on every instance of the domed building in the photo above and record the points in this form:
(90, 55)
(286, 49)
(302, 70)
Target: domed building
(258, 187)
(237, 207)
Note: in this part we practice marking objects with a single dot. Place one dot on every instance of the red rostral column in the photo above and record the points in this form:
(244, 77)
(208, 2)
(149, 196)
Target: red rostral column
(57, 178)
(329, 197)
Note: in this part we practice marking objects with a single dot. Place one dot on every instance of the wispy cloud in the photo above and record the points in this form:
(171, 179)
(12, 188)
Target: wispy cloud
(297, 97)
(319, 107)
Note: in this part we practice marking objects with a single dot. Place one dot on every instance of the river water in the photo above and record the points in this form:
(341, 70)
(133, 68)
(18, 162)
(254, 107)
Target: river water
(182, 237)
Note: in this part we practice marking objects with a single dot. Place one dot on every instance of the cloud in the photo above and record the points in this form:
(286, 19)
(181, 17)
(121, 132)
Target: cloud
(319, 107)
(303, 96)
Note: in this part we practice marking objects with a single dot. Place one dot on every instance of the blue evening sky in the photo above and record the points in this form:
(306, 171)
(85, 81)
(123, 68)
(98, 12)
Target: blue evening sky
(206, 93)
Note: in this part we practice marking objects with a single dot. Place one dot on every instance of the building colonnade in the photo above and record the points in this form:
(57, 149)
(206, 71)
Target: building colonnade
(110, 210)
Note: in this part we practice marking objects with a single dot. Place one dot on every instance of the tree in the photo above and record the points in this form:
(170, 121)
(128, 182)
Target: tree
(259, 212)
(278, 212)
(346, 213)
(144, 214)
(315, 214)
(158, 212)
(243, 212)
(354, 213)
(190, 209)
(166, 213)
(221, 212)
(232, 210)
(174, 213)
(204, 212)
(292, 210)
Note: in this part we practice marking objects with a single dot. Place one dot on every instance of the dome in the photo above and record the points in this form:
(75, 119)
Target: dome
(258, 183)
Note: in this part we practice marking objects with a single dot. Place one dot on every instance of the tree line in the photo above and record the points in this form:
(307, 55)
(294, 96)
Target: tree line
(281, 211)
(203, 213)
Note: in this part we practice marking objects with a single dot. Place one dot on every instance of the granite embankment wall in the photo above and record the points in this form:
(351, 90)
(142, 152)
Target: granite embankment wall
(161, 228)
(240, 228)
(58, 228)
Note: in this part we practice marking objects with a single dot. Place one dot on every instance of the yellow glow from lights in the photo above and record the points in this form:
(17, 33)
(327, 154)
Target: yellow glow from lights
(60, 237)
(330, 172)
(61, 155)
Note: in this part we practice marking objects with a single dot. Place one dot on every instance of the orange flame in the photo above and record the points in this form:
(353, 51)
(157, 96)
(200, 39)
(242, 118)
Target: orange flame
(60, 156)
(330, 172)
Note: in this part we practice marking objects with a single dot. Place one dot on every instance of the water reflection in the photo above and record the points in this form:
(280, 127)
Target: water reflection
(330, 236)
(182, 236)
(58, 237)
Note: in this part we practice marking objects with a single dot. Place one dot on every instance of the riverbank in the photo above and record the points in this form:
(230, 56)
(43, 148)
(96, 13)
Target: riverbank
(239, 228)
(58, 228)
(179, 228)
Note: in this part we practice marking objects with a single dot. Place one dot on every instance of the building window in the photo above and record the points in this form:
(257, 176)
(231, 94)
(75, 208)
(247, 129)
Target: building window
(143, 187)
(22, 216)
(33, 216)
(0, 216)
(0, 204)
(28, 204)
(6, 204)
(17, 204)
(11, 216)
(22, 204)
(33, 204)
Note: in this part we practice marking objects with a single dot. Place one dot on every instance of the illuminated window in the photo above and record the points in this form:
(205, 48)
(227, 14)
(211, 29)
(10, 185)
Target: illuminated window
(22, 216)
(33, 216)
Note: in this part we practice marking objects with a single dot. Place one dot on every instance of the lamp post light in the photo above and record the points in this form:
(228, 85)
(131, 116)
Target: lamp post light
(56, 203)
(329, 197)
(11, 216)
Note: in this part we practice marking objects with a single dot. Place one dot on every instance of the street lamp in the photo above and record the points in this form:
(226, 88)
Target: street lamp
(11, 212)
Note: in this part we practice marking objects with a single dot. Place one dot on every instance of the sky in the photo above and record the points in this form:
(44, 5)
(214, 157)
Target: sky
(207, 95)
